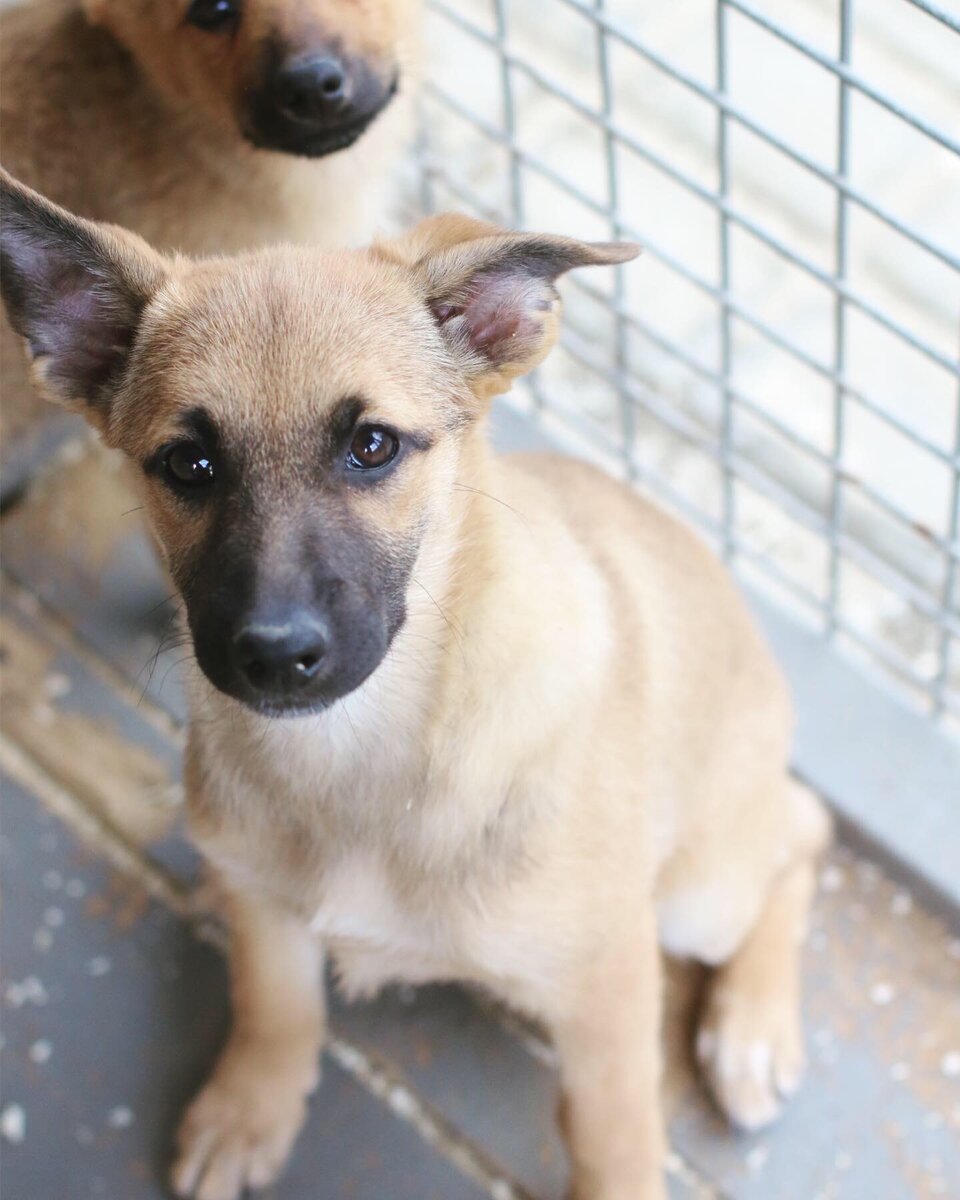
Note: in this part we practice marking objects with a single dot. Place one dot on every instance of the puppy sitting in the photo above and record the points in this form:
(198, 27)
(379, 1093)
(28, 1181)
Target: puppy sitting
(207, 125)
(456, 716)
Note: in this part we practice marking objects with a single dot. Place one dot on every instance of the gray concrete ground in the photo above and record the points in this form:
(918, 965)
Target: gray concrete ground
(114, 996)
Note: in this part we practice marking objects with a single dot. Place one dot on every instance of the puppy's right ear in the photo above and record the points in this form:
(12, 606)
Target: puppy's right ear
(75, 292)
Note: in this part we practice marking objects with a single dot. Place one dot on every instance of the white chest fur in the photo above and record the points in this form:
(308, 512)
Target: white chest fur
(375, 937)
(359, 905)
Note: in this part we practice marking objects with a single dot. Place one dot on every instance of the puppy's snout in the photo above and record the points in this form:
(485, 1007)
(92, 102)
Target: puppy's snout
(316, 101)
(312, 89)
(277, 660)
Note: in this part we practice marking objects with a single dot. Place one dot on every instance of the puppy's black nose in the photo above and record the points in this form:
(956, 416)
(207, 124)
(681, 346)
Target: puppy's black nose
(311, 89)
(279, 659)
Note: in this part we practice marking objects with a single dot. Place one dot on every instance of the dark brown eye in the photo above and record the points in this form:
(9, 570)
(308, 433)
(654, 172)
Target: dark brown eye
(188, 466)
(372, 447)
(213, 15)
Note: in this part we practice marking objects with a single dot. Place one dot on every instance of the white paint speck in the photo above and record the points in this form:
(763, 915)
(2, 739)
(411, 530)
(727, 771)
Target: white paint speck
(75, 888)
(52, 880)
(53, 917)
(40, 1051)
(950, 1064)
(42, 940)
(882, 994)
(900, 1071)
(120, 1117)
(831, 879)
(57, 685)
(756, 1159)
(27, 991)
(842, 1160)
(901, 904)
(402, 1102)
(13, 1124)
(99, 966)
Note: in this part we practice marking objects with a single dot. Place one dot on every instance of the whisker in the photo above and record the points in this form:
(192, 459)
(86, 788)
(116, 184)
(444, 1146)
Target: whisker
(465, 487)
(450, 625)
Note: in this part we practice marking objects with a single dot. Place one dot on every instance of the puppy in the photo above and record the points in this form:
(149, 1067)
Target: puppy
(206, 125)
(456, 716)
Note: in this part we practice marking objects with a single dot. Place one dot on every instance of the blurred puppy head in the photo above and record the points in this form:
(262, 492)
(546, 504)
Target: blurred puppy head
(298, 417)
(300, 76)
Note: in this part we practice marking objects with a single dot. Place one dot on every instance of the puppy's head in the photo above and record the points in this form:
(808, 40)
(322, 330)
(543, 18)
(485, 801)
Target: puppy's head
(297, 416)
(300, 76)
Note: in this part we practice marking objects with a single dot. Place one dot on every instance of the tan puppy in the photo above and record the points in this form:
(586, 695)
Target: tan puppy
(456, 716)
(207, 125)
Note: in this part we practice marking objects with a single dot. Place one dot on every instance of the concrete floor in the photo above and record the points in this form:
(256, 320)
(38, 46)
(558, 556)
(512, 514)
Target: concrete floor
(114, 991)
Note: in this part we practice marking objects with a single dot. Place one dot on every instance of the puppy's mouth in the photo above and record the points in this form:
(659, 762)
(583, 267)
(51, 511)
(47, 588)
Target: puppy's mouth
(278, 132)
(280, 711)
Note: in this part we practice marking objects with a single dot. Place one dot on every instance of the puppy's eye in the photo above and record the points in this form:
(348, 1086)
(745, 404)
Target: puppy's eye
(372, 447)
(213, 14)
(187, 466)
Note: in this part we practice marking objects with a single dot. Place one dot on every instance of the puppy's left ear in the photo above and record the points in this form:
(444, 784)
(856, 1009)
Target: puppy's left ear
(494, 300)
(75, 292)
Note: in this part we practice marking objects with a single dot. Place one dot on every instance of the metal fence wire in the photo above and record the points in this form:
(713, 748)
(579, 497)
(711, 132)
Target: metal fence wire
(781, 365)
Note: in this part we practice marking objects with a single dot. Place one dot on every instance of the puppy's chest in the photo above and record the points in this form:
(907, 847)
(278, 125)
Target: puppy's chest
(359, 904)
(377, 935)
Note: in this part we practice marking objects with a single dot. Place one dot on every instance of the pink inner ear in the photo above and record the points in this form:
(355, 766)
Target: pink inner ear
(499, 316)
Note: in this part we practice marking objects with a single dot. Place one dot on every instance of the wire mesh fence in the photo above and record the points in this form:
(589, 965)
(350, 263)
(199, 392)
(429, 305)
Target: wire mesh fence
(781, 365)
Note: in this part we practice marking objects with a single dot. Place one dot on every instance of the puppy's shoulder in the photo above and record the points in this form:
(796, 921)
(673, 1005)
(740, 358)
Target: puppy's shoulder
(600, 507)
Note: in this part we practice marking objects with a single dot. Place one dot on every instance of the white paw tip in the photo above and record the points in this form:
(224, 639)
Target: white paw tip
(751, 1118)
(759, 1059)
(789, 1080)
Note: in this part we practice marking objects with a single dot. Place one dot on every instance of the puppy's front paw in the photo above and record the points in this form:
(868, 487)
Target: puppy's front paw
(651, 1187)
(240, 1129)
(752, 1054)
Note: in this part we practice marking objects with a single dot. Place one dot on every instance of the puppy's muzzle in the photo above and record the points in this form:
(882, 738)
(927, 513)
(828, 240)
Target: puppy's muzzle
(318, 102)
(312, 90)
(280, 662)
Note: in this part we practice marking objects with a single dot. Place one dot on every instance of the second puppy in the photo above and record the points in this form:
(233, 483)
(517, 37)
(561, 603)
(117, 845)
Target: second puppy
(207, 126)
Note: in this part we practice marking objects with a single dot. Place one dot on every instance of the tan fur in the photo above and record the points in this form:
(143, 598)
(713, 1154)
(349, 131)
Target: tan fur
(575, 748)
(119, 111)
